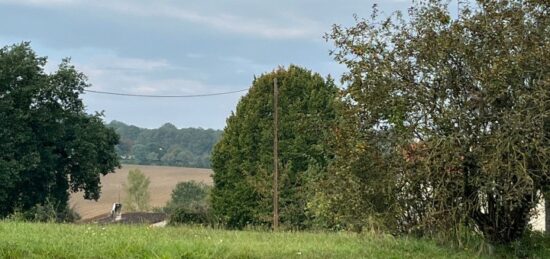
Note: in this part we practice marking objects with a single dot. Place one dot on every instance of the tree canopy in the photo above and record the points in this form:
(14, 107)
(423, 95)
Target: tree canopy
(243, 159)
(50, 145)
(461, 106)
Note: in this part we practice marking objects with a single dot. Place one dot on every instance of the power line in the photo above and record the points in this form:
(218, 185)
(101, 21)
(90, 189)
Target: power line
(164, 96)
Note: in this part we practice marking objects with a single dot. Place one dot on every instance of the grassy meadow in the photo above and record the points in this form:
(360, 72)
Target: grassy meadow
(42, 240)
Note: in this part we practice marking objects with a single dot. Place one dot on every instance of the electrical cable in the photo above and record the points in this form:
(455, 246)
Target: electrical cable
(164, 96)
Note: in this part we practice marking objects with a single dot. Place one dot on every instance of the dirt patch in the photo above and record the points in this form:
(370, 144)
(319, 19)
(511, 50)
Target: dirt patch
(163, 180)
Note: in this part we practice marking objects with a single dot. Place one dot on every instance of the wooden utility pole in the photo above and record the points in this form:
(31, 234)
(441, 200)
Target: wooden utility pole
(275, 156)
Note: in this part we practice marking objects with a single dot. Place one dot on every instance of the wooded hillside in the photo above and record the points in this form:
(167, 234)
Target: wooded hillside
(166, 145)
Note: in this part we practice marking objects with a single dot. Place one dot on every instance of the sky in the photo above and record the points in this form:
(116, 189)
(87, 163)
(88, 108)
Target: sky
(169, 47)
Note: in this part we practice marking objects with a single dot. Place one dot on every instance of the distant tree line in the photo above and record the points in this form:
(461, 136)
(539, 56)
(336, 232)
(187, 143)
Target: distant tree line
(167, 145)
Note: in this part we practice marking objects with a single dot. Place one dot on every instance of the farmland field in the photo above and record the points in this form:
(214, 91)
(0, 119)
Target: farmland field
(163, 180)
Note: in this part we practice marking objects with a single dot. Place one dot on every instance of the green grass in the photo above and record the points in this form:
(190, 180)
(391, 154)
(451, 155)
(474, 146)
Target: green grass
(37, 240)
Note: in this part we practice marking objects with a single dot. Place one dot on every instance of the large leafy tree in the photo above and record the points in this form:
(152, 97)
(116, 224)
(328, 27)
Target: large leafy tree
(465, 102)
(243, 159)
(50, 146)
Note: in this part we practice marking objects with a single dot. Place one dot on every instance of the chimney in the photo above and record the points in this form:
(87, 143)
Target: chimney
(116, 211)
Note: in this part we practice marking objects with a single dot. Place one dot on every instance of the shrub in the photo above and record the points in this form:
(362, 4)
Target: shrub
(190, 204)
(46, 213)
(182, 215)
(189, 195)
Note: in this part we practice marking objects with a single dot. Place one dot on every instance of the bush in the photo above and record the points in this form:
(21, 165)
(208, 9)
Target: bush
(533, 244)
(189, 195)
(68, 215)
(201, 216)
(46, 213)
(190, 204)
(42, 213)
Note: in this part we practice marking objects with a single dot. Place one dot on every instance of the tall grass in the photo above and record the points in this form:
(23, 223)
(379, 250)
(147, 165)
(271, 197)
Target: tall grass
(46, 240)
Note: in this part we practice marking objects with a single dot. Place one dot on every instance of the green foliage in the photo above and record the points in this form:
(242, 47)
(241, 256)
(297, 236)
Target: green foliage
(48, 212)
(452, 116)
(190, 204)
(68, 215)
(49, 145)
(531, 245)
(189, 195)
(166, 145)
(137, 191)
(41, 213)
(357, 191)
(243, 159)
(198, 215)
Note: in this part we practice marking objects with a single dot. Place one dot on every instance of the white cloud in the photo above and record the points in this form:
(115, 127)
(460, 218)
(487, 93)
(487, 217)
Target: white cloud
(107, 60)
(42, 2)
(298, 27)
(175, 86)
(110, 72)
(133, 64)
(222, 21)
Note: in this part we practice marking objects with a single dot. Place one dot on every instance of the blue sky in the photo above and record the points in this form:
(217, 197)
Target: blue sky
(179, 47)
